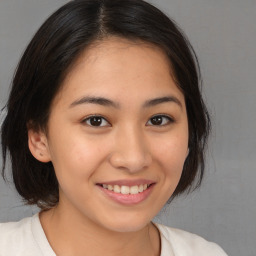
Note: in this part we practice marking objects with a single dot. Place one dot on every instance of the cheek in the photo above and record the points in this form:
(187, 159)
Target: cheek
(76, 159)
(171, 154)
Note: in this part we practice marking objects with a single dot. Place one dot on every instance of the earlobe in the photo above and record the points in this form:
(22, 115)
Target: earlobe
(38, 146)
(187, 153)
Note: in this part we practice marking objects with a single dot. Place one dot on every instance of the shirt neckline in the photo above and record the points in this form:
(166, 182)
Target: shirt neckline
(46, 249)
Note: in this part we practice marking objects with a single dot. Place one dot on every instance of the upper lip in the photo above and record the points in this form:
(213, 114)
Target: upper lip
(127, 182)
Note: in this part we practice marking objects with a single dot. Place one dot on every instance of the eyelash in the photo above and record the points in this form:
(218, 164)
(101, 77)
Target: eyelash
(90, 118)
(168, 119)
(100, 119)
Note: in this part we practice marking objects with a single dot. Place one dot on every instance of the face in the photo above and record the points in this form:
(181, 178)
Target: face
(118, 135)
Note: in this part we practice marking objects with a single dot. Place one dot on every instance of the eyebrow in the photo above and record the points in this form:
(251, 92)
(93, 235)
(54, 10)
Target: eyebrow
(156, 101)
(95, 100)
(109, 103)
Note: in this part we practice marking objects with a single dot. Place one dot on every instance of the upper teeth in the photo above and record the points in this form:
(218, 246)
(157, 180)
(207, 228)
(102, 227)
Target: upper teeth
(126, 189)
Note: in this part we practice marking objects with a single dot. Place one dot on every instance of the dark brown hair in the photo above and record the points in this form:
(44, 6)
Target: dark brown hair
(46, 61)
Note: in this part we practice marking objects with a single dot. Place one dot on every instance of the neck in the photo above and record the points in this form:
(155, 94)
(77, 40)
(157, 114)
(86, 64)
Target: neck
(71, 234)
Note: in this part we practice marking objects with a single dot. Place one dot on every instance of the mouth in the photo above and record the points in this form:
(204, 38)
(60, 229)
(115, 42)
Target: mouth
(126, 190)
(127, 193)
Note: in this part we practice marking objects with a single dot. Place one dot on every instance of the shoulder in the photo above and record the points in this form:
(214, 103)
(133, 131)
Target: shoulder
(11, 230)
(187, 244)
(16, 238)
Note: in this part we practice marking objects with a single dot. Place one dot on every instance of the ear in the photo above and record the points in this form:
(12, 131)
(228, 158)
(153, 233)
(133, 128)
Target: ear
(187, 153)
(38, 145)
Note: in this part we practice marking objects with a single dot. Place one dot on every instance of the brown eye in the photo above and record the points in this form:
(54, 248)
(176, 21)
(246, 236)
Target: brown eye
(96, 121)
(159, 120)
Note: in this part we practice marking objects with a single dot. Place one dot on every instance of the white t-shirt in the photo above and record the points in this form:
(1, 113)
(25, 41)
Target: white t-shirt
(27, 238)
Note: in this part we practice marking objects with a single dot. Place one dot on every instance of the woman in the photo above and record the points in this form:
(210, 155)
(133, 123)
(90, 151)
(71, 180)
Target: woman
(105, 124)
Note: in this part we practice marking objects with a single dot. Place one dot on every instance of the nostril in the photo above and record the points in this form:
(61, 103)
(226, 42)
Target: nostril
(132, 162)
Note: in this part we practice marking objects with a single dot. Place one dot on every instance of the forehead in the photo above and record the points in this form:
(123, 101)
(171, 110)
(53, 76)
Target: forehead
(117, 65)
(115, 49)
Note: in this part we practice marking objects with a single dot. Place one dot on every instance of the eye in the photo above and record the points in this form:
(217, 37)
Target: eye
(160, 120)
(96, 121)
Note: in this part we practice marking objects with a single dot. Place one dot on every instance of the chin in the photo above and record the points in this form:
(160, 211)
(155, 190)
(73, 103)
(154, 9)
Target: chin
(127, 224)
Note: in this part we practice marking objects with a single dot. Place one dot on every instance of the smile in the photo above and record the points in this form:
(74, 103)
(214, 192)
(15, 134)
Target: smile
(126, 190)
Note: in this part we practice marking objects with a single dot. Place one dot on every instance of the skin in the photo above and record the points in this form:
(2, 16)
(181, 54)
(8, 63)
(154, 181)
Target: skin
(126, 147)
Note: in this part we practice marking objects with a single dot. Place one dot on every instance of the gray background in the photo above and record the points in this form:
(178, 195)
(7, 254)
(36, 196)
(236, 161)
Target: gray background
(223, 33)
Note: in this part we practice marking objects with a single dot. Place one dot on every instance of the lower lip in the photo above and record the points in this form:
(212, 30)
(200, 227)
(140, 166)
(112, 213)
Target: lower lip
(129, 199)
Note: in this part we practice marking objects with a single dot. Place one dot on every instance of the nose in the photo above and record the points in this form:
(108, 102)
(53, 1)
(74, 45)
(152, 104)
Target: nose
(130, 151)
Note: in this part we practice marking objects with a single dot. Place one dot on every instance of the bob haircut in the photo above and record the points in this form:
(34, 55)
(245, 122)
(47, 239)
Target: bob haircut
(48, 59)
